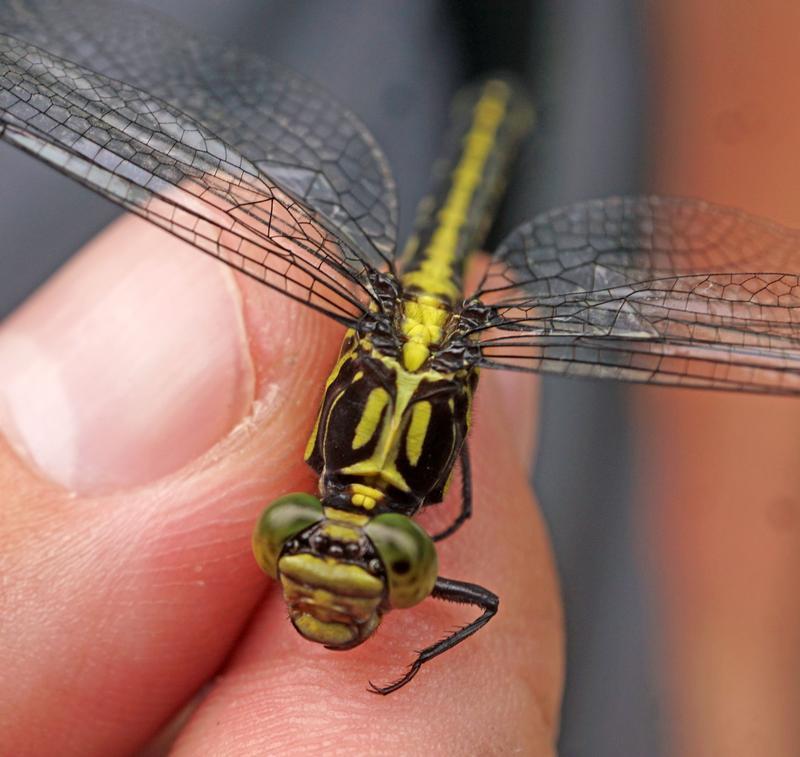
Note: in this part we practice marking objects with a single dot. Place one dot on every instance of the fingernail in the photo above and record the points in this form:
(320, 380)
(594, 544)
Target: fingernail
(130, 363)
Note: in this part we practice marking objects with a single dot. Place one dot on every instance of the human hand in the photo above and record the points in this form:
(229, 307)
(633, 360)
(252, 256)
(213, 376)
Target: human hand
(151, 405)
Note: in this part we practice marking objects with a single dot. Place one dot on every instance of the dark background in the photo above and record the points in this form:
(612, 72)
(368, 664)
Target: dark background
(396, 65)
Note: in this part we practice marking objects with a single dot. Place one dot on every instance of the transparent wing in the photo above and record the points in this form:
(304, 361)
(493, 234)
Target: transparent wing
(651, 290)
(162, 164)
(290, 129)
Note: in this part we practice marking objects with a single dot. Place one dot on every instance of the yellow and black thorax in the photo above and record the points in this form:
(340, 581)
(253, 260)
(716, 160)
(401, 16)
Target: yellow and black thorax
(387, 436)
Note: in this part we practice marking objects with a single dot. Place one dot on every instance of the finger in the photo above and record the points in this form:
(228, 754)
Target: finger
(722, 473)
(151, 406)
(498, 691)
(722, 483)
(518, 395)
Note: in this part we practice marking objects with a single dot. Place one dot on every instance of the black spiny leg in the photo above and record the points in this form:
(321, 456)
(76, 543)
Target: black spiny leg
(451, 591)
(466, 497)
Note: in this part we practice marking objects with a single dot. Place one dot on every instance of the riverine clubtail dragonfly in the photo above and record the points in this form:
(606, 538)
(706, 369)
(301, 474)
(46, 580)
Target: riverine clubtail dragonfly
(261, 169)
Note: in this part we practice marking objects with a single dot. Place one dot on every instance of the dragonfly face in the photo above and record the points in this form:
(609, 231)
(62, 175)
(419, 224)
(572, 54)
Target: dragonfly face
(341, 570)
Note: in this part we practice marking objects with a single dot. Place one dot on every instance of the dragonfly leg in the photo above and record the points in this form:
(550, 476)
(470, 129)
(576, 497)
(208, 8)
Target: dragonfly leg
(466, 497)
(451, 591)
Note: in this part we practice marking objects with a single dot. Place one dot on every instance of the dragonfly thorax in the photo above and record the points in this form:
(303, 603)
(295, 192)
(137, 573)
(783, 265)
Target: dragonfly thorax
(387, 437)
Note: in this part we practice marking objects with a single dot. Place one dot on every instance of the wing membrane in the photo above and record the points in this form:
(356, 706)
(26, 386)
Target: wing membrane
(650, 290)
(158, 162)
(290, 129)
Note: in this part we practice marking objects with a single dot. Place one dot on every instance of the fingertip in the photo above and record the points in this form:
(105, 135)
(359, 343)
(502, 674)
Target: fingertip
(129, 363)
(517, 395)
(151, 577)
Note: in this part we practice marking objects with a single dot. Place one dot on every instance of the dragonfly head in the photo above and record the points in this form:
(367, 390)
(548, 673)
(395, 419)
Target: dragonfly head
(339, 576)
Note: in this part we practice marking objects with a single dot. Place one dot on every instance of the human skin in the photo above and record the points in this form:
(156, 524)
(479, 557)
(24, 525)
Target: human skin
(721, 470)
(152, 403)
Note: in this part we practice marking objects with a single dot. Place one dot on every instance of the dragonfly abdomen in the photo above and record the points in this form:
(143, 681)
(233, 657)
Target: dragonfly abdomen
(487, 122)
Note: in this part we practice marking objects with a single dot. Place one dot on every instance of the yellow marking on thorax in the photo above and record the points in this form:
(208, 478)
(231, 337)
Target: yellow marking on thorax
(470, 398)
(417, 430)
(449, 480)
(365, 496)
(435, 273)
(376, 401)
(343, 358)
(382, 463)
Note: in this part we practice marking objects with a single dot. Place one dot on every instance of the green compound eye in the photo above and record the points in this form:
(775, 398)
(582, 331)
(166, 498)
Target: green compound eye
(408, 556)
(284, 518)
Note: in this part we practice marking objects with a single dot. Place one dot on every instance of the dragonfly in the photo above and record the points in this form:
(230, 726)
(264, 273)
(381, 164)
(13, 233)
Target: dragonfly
(263, 170)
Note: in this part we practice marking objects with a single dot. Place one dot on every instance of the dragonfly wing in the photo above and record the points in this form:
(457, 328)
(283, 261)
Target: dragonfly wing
(291, 130)
(650, 290)
(158, 162)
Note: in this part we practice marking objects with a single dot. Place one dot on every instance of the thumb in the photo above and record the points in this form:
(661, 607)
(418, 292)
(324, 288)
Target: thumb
(147, 419)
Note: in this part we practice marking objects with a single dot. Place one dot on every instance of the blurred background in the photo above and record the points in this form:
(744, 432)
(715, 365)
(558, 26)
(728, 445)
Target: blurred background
(396, 65)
